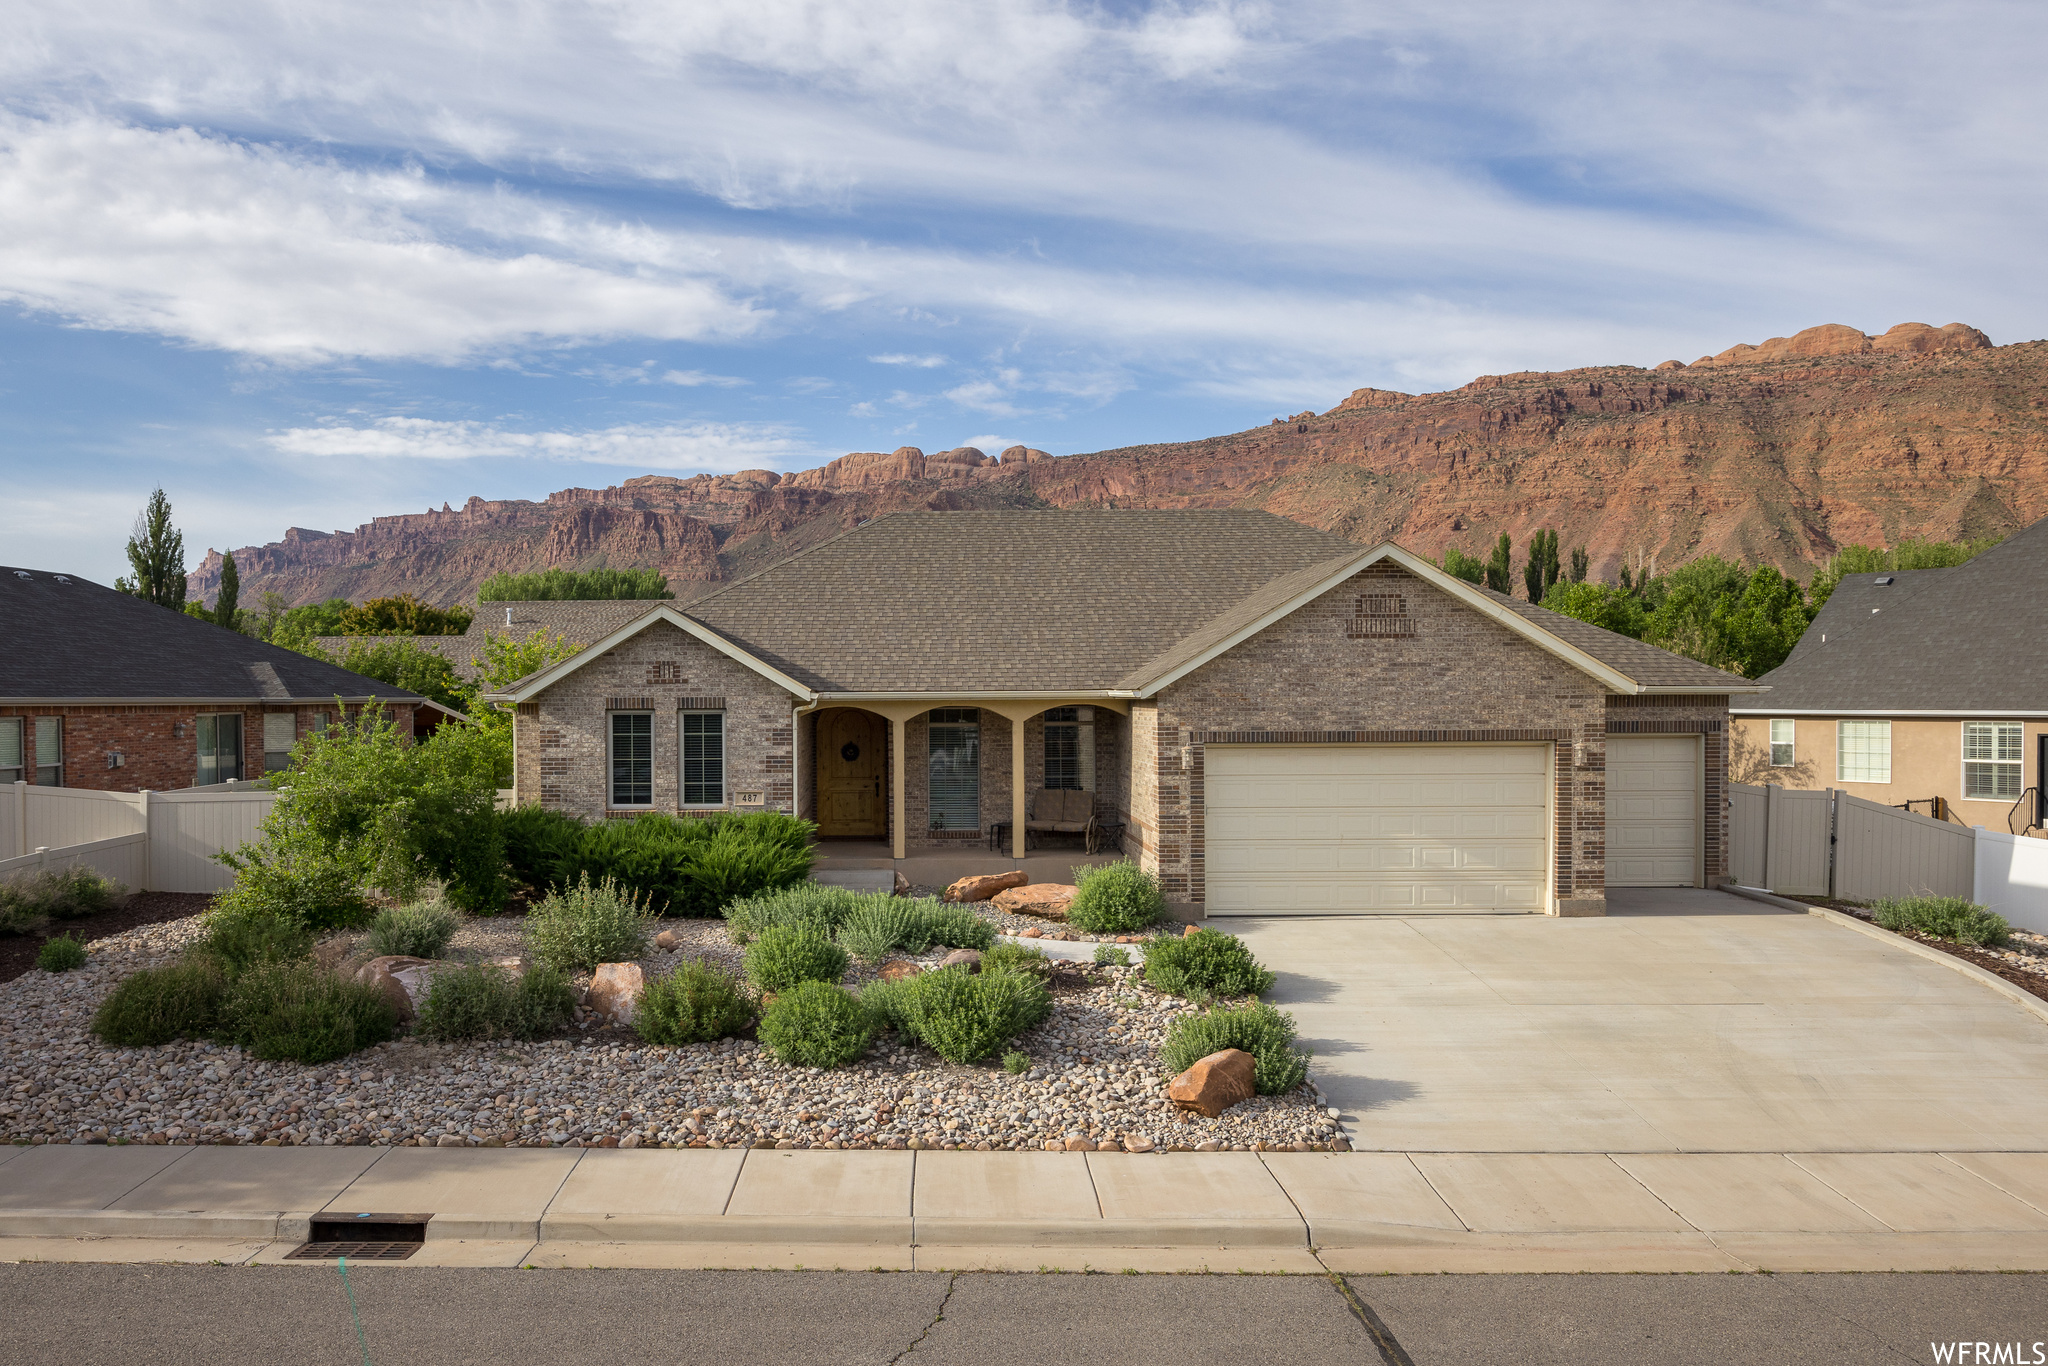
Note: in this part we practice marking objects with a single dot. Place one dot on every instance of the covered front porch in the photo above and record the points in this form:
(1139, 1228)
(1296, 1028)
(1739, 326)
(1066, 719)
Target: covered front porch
(957, 780)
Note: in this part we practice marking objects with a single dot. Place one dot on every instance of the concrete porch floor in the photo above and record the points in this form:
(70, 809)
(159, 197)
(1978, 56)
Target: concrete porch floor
(938, 867)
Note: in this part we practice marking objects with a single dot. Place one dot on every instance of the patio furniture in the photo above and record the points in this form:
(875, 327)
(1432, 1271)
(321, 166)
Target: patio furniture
(999, 835)
(1063, 811)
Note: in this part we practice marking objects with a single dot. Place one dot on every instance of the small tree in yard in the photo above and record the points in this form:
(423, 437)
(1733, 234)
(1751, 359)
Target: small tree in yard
(230, 593)
(156, 552)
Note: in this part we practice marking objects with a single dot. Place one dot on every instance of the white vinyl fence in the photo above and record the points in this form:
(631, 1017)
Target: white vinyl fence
(149, 841)
(1829, 843)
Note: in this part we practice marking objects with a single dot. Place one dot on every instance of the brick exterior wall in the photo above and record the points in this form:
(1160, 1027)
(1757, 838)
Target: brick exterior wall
(1653, 714)
(159, 745)
(1382, 658)
(562, 737)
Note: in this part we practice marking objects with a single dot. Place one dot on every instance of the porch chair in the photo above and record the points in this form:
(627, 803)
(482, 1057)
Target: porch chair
(1062, 811)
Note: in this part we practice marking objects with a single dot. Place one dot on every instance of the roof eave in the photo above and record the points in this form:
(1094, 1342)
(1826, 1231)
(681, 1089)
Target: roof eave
(525, 689)
(314, 699)
(1936, 714)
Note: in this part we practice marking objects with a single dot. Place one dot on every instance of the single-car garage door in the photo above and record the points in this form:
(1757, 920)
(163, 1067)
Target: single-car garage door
(1653, 810)
(1376, 829)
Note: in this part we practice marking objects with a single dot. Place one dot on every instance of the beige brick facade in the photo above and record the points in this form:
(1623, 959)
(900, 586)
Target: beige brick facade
(562, 736)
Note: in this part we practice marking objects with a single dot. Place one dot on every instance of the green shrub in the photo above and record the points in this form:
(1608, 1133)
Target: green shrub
(1256, 1028)
(1115, 898)
(577, 928)
(65, 894)
(61, 954)
(298, 1012)
(811, 905)
(956, 927)
(784, 955)
(696, 1003)
(157, 1005)
(1016, 958)
(1205, 963)
(479, 1001)
(965, 1017)
(881, 925)
(18, 914)
(1943, 917)
(1112, 955)
(539, 842)
(695, 867)
(874, 925)
(420, 930)
(315, 893)
(238, 938)
(889, 1003)
(816, 1024)
(1015, 1063)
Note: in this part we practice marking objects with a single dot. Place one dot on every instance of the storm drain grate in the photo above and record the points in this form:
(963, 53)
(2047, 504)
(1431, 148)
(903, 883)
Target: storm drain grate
(366, 1237)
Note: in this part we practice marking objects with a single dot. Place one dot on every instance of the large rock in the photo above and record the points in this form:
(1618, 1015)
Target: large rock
(615, 990)
(1215, 1083)
(1045, 899)
(982, 886)
(963, 958)
(401, 979)
(898, 969)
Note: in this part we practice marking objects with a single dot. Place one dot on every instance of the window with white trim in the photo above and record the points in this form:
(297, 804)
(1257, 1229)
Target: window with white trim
(10, 749)
(220, 748)
(1781, 742)
(1863, 751)
(632, 758)
(49, 751)
(280, 733)
(1993, 760)
(703, 757)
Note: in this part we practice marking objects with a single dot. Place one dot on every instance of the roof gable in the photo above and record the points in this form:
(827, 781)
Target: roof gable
(535, 683)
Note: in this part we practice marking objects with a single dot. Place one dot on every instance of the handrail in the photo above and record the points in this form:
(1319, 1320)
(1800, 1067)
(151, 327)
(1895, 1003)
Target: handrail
(1937, 807)
(2034, 824)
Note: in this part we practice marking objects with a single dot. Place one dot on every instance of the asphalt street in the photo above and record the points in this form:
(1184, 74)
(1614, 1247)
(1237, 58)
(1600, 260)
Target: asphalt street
(187, 1315)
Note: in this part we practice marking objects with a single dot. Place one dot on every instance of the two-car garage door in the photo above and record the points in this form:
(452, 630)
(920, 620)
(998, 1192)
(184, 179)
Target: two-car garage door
(1376, 829)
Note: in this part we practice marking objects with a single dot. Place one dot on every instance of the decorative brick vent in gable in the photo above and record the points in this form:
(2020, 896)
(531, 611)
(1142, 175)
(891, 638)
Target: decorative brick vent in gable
(1380, 615)
(665, 671)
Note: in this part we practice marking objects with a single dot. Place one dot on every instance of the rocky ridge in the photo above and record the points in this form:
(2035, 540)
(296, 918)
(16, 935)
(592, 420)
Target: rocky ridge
(1774, 453)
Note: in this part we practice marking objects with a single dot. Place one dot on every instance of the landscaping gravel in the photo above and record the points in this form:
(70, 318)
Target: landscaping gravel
(1096, 1078)
(1026, 925)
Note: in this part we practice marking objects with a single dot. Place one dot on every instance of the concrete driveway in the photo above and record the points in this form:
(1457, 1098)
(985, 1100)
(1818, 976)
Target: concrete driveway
(1685, 1020)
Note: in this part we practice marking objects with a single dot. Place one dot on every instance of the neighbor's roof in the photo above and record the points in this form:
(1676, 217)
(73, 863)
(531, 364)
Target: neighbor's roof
(1972, 640)
(1119, 602)
(71, 640)
(580, 623)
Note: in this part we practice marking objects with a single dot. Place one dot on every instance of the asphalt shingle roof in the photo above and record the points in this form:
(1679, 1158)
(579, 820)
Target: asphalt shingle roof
(1969, 639)
(66, 637)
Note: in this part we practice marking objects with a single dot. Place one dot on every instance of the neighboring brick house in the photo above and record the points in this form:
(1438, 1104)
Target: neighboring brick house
(1280, 720)
(103, 690)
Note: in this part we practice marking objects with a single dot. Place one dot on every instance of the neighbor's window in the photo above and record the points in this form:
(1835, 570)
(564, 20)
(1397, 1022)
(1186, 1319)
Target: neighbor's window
(703, 758)
(1863, 751)
(1781, 742)
(280, 733)
(956, 768)
(49, 751)
(632, 758)
(1063, 747)
(10, 749)
(220, 748)
(1991, 760)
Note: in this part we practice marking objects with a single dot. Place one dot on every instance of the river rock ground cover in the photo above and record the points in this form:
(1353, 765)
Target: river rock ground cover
(1095, 1077)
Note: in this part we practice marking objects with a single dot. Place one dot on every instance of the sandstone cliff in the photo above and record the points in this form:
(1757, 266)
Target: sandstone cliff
(1773, 453)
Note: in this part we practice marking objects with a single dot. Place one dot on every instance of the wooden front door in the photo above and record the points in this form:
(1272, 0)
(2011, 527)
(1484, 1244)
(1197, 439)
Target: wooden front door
(852, 798)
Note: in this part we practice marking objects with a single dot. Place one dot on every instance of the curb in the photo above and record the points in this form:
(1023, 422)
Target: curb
(2024, 999)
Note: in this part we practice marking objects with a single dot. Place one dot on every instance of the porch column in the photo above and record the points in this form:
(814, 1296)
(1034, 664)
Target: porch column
(1017, 787)
(896, 814)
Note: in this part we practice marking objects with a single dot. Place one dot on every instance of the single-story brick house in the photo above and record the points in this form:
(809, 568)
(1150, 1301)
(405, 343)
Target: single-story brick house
(103, 690)
(1282, 720)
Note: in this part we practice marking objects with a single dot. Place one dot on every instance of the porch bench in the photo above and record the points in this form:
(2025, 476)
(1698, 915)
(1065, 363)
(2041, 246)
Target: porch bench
(1062, 811)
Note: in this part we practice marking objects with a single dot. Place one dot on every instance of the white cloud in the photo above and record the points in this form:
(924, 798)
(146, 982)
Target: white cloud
(990, 444)
(897, 358)
(694, 378)
(687, 446)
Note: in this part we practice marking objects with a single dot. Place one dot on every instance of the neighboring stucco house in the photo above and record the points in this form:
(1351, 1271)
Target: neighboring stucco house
(1915, 686)
(1284, 721)
(103, 690)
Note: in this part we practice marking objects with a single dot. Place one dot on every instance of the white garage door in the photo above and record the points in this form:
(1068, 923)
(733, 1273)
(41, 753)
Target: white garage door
(1653, 811)
(1376, 829)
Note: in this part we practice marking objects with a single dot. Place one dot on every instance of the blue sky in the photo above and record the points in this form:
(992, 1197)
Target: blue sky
(305, 267)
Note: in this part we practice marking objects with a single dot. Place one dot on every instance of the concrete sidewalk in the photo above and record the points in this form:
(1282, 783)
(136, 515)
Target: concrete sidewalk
(1275, 1212)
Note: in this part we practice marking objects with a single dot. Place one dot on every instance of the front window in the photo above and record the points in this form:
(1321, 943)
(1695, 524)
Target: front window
(10, 749)
(220, 749)
(49, 751)
(1063, 748)
(632, 758)
(1781, 743)
(956, 768)
(1863, 751)
(280, 733)
(703, 758)
(1992, 760)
